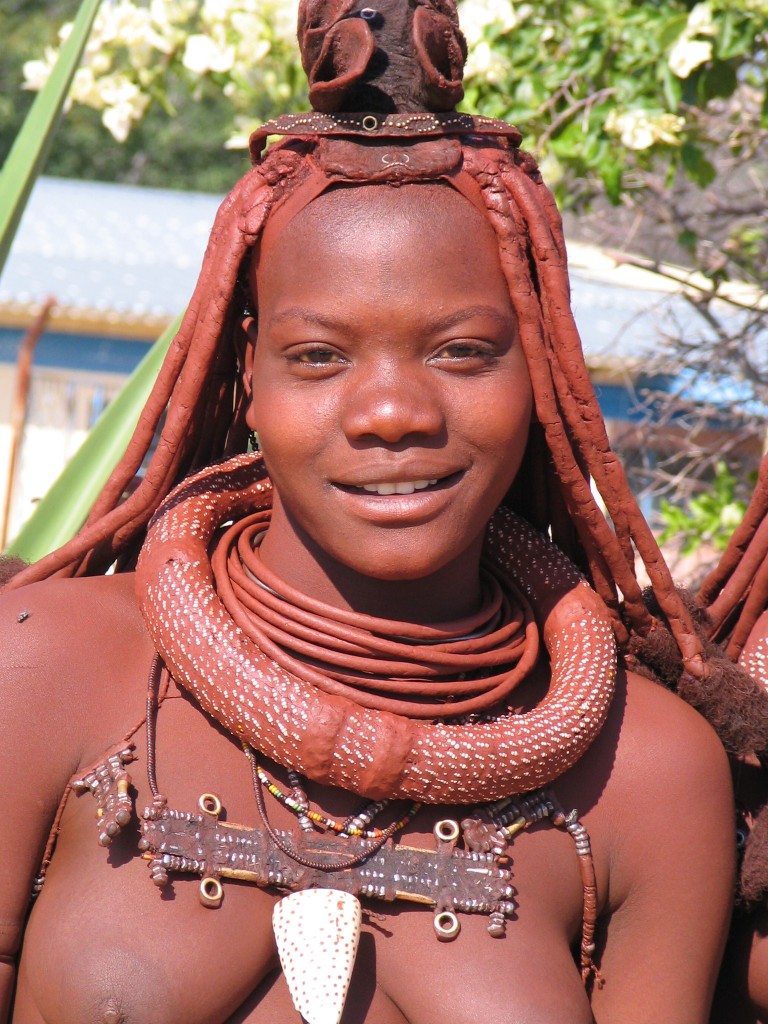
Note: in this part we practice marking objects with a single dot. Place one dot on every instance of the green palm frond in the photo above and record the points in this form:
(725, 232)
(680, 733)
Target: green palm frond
(30, 150)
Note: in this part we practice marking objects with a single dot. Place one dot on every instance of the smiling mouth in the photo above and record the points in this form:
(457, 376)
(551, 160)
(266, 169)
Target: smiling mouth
(385, 488)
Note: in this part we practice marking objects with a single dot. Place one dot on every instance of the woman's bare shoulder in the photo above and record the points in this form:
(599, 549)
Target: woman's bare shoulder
(661, 733)
(668, 759)
(670, 789)
(69, 651)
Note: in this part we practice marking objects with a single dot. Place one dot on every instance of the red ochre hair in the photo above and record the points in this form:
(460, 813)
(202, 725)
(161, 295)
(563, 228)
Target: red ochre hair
(735, 593)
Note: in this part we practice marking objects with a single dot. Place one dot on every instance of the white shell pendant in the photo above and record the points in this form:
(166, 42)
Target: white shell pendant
(317, 931)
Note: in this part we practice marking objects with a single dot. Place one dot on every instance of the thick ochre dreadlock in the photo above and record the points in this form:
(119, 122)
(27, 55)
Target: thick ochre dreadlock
(731, 599)
(400, 58)
(735, 593)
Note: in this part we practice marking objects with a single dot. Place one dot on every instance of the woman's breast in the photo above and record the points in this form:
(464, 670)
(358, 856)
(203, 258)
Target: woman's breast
(105, 946)
(149, 960)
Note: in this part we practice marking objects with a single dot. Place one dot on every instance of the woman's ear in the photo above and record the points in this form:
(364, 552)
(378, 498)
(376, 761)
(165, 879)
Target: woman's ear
(249, 328)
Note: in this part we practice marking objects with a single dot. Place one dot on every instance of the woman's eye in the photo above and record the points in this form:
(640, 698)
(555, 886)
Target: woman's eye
(464, 350)
(318, 357)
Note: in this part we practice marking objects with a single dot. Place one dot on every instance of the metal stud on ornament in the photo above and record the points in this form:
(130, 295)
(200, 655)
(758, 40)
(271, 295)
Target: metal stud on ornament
(317, 932)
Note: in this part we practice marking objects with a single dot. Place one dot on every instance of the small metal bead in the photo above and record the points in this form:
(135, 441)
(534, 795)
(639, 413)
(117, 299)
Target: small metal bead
(497, 926)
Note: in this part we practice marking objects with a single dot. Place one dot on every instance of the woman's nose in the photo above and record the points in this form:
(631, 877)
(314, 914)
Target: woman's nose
(390, 406)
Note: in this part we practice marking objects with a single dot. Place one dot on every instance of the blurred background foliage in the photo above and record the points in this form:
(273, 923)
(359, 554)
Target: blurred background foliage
(606, 92)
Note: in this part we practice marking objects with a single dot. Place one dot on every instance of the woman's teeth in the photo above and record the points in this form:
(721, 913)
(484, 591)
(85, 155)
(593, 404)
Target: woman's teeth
(401, 487)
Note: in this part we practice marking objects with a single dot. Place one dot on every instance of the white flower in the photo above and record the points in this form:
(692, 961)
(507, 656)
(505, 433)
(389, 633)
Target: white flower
(640, 129)
(166, 17)
(218, 10)
(121, 23)
(119, 117)
(84, 89)
(118, 121)
(116, 89)
(251, 45)
(479, 59)
(687, 54)
(283, 18)
(700, 21)
(487, 63)
(36, 72)
(166, 13)
(100, 62)
(202, 54)
(477, 15)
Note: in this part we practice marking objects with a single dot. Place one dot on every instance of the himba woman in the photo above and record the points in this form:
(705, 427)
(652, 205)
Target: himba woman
(350, 679)
(734, 597)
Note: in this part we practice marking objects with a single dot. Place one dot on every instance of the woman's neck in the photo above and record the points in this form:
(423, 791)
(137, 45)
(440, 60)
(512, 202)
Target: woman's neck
(449, 594)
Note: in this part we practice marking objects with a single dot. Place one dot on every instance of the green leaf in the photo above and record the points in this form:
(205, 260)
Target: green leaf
(720, 80)
(63, 510)
(612, 174)
(725, 36)
(671, 29)
(697, 167)
(736, 39)
(672, 86)
(30, 150)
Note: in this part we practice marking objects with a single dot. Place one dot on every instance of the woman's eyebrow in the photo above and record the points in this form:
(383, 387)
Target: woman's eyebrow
(459, 316)
(309, 316)
(440, 322)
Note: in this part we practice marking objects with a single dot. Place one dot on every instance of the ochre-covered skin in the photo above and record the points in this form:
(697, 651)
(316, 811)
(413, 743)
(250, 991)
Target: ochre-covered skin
(384, 299)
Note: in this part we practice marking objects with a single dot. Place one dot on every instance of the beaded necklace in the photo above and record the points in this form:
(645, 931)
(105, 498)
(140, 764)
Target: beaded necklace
(355, 825)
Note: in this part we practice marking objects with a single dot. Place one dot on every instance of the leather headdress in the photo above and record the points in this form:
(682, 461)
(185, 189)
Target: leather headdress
(353, 54)
(383, 81)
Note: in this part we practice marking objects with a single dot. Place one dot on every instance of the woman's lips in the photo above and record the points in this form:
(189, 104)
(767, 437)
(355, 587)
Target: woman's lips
(385, 505)
(405, 486)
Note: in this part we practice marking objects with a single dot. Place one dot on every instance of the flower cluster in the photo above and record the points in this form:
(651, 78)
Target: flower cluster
(690, 50)
(245, 46)
(482, 21)
(640, 129)
(122, 59)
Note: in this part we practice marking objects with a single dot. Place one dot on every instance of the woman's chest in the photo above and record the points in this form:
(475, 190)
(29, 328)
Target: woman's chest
(104, 946)
(116, 944)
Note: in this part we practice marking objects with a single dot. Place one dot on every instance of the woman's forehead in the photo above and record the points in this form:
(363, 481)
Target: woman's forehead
(352, 219)
(421, 251)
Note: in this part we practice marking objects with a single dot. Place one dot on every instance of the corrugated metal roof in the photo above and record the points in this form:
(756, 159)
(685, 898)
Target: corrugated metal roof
(108, 253)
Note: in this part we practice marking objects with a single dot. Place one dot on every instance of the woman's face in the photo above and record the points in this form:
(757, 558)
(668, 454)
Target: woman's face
(390, 392)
